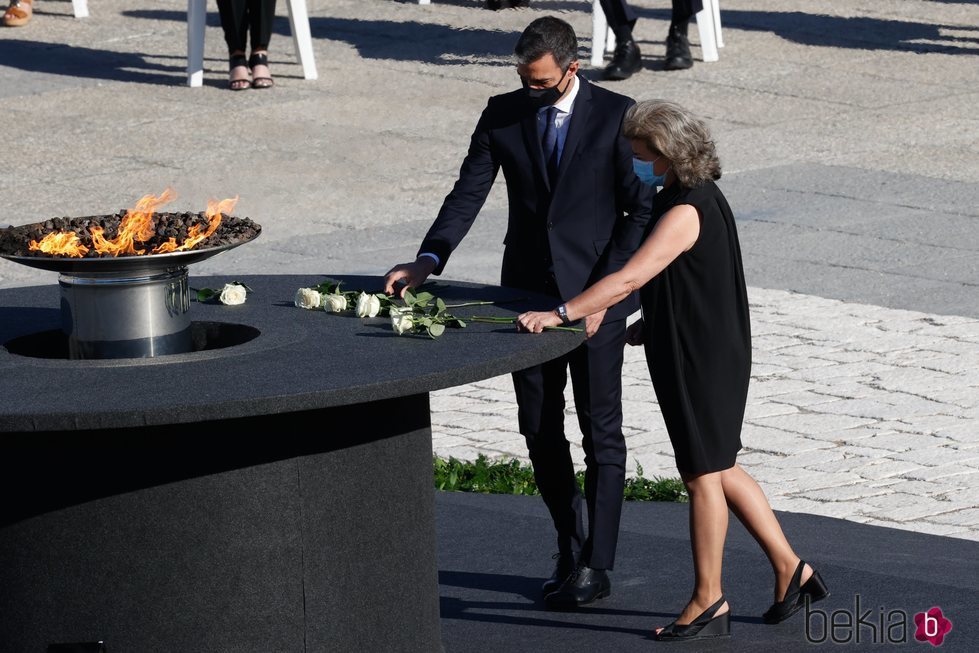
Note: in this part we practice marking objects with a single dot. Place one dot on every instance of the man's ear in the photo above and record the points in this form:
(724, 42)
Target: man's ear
(573, 67)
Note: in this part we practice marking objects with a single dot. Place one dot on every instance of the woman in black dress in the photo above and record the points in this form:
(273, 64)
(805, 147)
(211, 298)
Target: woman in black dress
(241, 18)
(697, 338)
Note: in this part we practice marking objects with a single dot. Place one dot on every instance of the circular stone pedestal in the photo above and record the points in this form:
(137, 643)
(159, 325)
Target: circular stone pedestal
(274, 495)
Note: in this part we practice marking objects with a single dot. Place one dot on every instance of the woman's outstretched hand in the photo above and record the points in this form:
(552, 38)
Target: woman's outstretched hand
(537, 321)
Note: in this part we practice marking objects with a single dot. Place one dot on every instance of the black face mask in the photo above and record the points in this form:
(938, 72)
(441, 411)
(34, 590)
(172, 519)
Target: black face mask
(542, 97)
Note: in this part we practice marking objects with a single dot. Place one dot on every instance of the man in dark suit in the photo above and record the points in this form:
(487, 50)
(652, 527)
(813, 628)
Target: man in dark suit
(576, 213)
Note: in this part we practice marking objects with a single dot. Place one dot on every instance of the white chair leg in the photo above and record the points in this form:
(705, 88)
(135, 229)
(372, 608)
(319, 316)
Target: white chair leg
(303, 40)
(716, 10)
(80, 7)
(705, 26)
(599, 32)
(196, 15)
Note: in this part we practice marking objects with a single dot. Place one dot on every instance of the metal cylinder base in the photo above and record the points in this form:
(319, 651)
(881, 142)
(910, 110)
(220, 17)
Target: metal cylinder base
(108, 315)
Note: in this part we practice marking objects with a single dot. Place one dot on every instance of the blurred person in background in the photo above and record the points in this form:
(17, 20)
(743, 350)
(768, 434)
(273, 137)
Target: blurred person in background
(241, 19)
(627, 60)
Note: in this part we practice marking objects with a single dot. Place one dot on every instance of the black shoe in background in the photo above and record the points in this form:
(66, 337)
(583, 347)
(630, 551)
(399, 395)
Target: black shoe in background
(677, 50)
(562, 569)
(626, 61)
(583, 586)
(500, 4)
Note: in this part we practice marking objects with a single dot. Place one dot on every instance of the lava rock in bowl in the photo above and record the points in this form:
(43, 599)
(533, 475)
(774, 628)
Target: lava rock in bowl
(231, 231)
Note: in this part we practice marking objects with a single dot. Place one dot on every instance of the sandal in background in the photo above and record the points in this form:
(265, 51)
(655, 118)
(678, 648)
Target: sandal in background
(18, 13)
(235, 61)
(260, 59)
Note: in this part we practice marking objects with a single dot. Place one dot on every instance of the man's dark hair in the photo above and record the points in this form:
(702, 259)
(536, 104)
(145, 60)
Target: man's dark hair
(547, 35)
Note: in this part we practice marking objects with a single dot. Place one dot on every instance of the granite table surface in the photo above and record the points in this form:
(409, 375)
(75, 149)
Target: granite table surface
(301, 360)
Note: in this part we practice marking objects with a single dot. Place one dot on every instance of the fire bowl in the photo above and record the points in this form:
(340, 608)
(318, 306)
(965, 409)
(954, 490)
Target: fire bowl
(135, 306)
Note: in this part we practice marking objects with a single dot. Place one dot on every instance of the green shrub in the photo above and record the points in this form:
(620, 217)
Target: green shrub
(514, 477)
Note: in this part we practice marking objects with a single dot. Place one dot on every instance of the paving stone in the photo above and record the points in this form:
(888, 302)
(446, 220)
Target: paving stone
(845, 493)
(803, 459)
(759, 389)
(923, 526)
(902, 507)
(903, 442)
(847, 464)
(938, 456)
(813, 423)
(767, 409)
(944, 471)
(863, 408)
(803, 399)
(888, 469)
(825, 480)
(856, 370)
(968, 517)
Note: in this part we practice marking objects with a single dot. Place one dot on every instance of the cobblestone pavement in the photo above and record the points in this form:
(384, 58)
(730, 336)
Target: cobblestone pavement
(854, 411)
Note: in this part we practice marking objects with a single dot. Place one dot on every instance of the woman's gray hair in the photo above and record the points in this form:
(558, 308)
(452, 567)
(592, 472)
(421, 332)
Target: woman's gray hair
(683, 138)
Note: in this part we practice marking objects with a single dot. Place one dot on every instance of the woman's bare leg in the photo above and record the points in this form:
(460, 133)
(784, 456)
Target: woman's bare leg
(749, 504)
(708, 528)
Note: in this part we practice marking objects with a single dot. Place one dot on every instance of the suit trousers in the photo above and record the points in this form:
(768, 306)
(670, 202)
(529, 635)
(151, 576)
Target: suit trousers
(239, 17)
(596, 378)
(622, 18)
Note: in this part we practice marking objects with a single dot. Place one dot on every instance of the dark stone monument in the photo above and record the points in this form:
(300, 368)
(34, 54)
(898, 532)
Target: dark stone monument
(269, 491)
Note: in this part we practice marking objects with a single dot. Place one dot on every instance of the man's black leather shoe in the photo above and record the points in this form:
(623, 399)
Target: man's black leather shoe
(626, 61)
(583, 586)
(565, 565)
(677, 51)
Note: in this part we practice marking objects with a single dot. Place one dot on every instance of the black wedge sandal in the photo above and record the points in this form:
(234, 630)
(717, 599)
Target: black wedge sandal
(795, 595)
(708, 625)
(260, 59)
(235, 61)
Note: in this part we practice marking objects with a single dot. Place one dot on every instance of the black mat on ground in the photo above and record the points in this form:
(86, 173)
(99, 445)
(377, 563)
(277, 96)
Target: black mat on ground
(494, 553)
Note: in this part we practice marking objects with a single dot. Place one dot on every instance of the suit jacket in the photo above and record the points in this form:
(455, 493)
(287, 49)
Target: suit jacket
(583, 225)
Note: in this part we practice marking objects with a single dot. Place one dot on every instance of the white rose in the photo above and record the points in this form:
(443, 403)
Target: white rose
(233, 294)
(334, 303)
(368, 305)
(308, 298)
(401, 322)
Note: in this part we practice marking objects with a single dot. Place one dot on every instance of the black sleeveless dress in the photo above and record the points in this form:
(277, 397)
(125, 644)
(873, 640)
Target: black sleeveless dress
(698, 335)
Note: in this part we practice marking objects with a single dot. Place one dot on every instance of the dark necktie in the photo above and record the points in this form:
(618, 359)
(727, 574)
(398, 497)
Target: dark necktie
(549, 143)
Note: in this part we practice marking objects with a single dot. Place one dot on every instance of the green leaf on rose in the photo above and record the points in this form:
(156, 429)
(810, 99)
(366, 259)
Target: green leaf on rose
(436, 329)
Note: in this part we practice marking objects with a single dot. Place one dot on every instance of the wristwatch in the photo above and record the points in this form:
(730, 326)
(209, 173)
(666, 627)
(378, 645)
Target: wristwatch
(562, 312)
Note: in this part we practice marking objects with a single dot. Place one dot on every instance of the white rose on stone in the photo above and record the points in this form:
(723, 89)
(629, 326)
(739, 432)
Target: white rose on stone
(233, 294)
(401, 321)
(368, 305)
(308, 298)
(333, 303)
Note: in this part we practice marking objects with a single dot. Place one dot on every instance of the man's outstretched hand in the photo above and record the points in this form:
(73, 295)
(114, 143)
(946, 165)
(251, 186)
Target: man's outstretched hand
(408, 275)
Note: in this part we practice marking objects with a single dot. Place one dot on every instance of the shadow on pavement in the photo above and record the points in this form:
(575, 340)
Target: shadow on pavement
(859, 32)
(75, 61)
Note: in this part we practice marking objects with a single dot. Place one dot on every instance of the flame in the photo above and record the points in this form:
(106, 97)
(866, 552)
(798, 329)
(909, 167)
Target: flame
(63, 243)
(137, 227)
(197, 233)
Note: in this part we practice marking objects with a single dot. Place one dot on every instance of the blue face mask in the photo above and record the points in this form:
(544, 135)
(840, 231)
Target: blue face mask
(644, 170)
